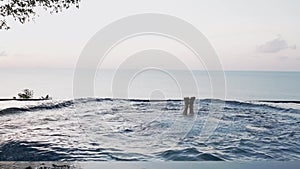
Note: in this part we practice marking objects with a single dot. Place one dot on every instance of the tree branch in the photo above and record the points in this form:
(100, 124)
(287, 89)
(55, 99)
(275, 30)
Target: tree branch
(25, 10)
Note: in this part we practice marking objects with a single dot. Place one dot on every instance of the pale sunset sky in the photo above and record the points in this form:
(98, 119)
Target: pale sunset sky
(246, 34)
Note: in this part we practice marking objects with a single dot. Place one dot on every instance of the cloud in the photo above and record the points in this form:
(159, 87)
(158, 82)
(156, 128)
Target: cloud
(283, 58)
(3, 53)
(274, 46)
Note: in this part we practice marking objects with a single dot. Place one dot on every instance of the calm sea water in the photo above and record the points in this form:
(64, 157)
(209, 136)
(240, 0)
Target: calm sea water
(240, 85)
(98, 129)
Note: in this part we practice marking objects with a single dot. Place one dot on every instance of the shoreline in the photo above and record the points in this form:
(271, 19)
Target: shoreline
(1, 100)
(159, 100)
(279, 101)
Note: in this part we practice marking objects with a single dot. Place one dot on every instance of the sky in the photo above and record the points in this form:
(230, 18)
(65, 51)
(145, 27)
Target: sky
(247, 35)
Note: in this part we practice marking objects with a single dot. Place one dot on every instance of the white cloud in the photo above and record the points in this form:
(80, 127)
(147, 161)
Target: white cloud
(274, 46)
(3, 53)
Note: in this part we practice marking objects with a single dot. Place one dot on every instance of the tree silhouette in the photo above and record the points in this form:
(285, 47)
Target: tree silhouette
(27, 94)
(25, 10)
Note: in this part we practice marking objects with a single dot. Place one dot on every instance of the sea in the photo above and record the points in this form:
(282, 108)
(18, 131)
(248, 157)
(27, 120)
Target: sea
(137, 115)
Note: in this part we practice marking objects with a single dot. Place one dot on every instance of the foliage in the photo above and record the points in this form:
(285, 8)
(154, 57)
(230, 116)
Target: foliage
(25, 10)
(27, 94)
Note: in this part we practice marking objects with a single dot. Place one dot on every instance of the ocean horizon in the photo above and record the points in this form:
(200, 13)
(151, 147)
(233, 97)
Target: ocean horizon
(239, 85)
